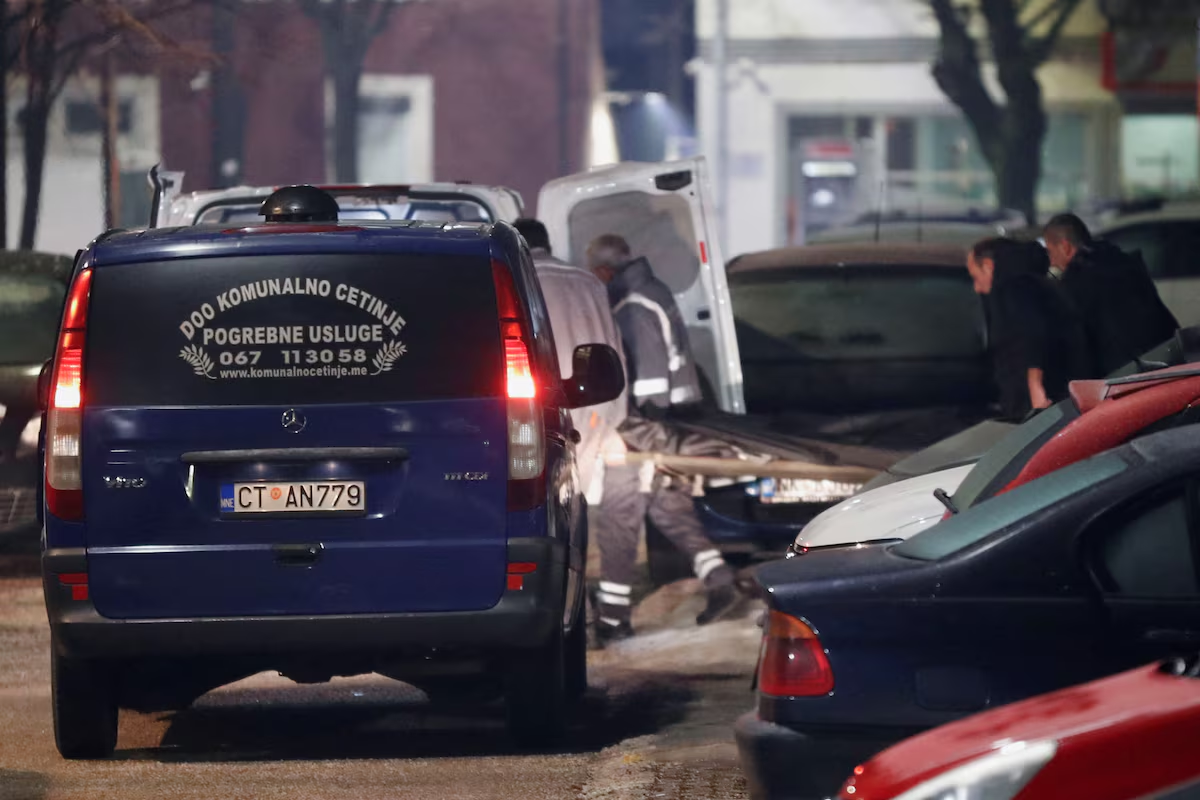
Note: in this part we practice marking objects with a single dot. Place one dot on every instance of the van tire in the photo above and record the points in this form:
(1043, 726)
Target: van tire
(665, 563)
(84, 702)
(576, 654)
(535, 693)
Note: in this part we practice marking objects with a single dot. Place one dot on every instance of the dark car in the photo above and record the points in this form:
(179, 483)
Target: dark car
(32, 289)
(318, 448)
(1082, 573)
(852, 355)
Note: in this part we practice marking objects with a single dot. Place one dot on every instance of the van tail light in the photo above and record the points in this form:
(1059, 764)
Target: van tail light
(792, 662)
(526, 434)
(64, 417)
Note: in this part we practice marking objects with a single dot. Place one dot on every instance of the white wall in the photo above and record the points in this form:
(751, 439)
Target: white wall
(764, 95)
(72, 207)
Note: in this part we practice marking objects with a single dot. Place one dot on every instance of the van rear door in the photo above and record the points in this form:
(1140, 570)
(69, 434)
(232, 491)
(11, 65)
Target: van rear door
(665, 212)
(316, 433)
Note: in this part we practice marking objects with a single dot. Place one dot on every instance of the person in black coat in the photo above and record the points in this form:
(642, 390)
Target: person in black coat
(1036, 337)
(1123, 316)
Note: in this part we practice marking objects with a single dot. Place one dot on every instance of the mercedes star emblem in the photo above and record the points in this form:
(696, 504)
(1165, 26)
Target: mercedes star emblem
(293, 421)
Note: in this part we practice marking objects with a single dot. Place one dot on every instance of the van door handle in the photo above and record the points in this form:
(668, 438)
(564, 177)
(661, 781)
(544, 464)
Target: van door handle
(297, 555)
(1164, 636)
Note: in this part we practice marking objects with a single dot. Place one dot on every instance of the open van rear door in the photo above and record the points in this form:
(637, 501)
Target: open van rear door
(666, 213)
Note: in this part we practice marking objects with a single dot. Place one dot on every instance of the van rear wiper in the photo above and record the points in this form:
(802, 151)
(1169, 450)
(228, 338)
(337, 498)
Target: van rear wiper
(945, 500)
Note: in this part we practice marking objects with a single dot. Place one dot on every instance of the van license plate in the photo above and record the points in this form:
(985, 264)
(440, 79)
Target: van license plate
(307, 497)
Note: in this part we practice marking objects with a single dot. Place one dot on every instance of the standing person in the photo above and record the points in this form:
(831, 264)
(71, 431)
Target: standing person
(577, 303)
(1037, 340)
(663, 380)
(1123, 316)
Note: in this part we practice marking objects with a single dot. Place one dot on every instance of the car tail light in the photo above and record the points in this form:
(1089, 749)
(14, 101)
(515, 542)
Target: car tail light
(792, 662)
(517, 570)
(64, 418)
(526, 437)
(77, 582)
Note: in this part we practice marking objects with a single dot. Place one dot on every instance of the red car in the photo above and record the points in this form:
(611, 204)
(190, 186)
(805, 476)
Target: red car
(1101, 415)
(1134, 736)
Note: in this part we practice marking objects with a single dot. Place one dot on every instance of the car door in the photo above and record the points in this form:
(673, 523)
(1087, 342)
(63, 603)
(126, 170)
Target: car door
(1143, 559)
(665, 212)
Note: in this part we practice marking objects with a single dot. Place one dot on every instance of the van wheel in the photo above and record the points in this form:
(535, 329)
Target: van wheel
(535, 694)
(576, 654)
(84, 702)
(664, 562)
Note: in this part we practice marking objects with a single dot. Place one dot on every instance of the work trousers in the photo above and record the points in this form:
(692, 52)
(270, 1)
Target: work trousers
(624, 507)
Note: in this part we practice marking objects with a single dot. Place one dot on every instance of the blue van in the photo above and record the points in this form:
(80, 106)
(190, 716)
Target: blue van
(315, 447)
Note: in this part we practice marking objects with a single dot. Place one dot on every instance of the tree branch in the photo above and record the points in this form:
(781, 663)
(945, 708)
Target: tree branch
(1041, 48)
(959, 75)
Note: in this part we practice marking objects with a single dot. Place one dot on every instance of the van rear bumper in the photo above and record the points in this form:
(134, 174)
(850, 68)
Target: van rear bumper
(524, 618)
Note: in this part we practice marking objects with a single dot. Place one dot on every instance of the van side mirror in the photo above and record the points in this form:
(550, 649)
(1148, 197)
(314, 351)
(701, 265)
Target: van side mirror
(598, 376)
(43, 385)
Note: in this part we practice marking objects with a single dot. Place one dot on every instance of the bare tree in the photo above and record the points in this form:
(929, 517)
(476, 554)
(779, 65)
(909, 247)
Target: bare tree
(11, 22)
(348, 27)
(1021, 35)
(49, 60)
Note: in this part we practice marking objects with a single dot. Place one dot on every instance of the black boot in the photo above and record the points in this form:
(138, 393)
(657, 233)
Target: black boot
(612, 619)
(722, 595)
(609, 632)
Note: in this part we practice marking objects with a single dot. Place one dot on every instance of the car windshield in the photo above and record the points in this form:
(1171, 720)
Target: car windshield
(30, 306)
(860, 313)
(1000, 460)
(998, 513)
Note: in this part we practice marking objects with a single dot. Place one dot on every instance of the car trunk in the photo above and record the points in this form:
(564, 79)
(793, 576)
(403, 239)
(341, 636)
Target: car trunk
(371, 478)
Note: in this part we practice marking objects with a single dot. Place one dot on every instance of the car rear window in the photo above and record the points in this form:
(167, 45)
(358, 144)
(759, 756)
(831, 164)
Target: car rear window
(998, 462)
(857, 314)
(293, 329)
(30, 307)
(998, 513)
(359, 208)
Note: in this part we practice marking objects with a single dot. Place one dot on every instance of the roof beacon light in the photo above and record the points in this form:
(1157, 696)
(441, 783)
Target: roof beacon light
(300, 204)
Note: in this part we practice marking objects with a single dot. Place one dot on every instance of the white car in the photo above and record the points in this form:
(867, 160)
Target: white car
(895, 511)
(979, 463)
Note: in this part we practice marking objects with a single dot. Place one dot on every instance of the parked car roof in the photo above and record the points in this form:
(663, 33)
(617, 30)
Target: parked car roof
(1175, 212)
(852, 255)
(31, 262)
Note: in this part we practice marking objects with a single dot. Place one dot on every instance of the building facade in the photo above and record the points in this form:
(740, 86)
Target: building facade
(844, 91)
(452, 90)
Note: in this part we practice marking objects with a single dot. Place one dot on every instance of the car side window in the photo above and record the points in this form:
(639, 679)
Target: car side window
(1183, 241)
(1150, 240)
(1147, 550)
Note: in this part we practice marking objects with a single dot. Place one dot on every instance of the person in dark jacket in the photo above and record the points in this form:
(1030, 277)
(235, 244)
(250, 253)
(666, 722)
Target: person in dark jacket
(1123, 316)
(1036, 337)
(662, 381)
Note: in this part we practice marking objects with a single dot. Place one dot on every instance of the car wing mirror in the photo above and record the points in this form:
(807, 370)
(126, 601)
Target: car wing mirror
(597, 376)
(43, 385)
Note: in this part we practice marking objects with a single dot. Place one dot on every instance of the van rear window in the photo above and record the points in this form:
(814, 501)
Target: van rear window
(268, 330)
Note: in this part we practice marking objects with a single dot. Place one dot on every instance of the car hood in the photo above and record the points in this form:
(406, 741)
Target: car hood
(895, 511)
(1129, 706)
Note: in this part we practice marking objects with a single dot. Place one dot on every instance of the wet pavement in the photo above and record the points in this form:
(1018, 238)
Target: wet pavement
(656, 723)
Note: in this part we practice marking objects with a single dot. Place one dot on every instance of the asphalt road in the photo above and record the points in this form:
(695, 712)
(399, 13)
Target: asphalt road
(655, 724)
